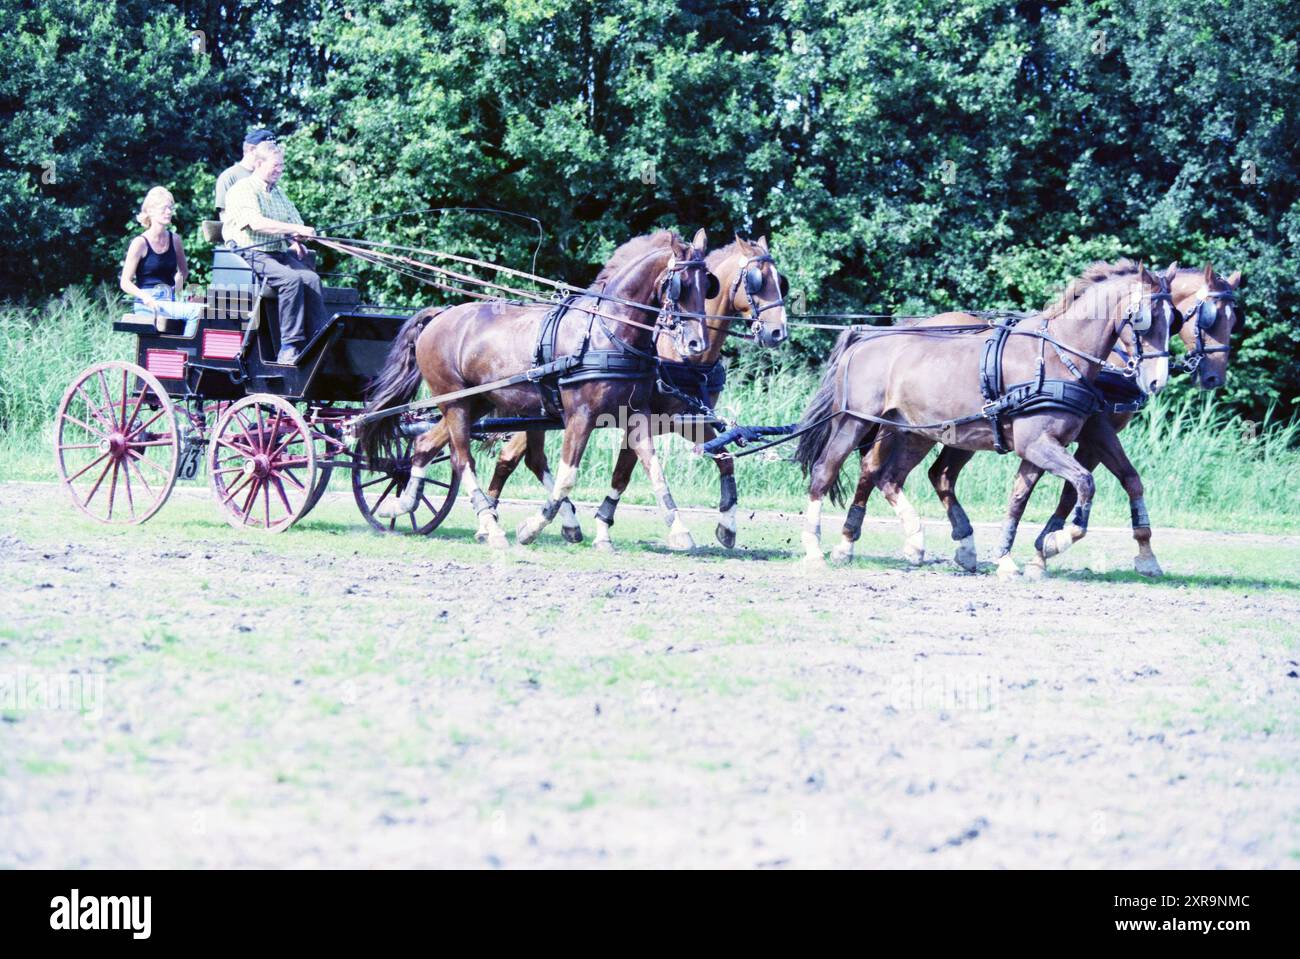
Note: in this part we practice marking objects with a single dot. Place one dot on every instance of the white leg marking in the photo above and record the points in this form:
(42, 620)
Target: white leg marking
(679, 537)
(1058, 542)
(1007, 568)
(404, 503)
(496, 536)
(531, 527)
(812, 533)
(913, 534)
(843, 551)
(603, 542)
(966, 556)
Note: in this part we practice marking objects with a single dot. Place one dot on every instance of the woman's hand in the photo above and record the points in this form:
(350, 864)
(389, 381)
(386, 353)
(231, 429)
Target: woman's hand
(148, 300)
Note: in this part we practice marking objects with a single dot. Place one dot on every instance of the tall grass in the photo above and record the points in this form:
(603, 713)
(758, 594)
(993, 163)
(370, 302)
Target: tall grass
(1201, 464)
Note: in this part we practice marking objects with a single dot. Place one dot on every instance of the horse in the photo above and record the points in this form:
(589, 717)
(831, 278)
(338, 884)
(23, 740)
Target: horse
(912, 376)
(1097, 440)
(749, 286)
(481, 357)
(1207, 303)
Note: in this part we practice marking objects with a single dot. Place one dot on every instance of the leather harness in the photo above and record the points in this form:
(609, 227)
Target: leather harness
(550, 372)
(1038, 395)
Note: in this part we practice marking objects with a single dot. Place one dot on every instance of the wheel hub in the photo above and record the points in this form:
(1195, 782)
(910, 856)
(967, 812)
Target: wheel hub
(259, 466)
(114, 444)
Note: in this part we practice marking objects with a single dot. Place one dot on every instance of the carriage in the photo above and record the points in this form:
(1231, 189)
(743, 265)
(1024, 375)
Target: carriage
(271, 436)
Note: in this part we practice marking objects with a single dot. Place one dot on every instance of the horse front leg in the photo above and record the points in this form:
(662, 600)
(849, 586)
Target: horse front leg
(641, 441)
(623, 467)
(909, 450)
(1048, 453)
(536, 460)
(1026, 479)
(577, 431)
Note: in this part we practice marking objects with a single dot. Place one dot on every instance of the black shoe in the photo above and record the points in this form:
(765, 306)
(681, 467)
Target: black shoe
(288, 356)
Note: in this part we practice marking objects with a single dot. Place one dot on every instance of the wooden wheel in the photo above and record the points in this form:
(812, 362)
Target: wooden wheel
(116, 444)
(262, 464)
(376, 483)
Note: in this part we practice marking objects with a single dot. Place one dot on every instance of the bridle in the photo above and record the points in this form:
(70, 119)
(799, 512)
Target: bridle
(1138, 317)
(750, 275)
(670, 292)
(1206, 314)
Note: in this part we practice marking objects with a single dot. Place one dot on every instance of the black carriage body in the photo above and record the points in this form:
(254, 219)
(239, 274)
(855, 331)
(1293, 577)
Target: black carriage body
(232, 353)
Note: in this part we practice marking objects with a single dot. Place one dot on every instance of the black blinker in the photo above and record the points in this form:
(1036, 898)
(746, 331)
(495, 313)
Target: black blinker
(711, 286)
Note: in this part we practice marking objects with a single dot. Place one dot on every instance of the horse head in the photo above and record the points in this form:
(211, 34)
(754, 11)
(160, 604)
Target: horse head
(1208, 323)
(751, 287)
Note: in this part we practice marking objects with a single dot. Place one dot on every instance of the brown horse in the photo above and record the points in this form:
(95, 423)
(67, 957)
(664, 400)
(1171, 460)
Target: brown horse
(931, 378)
(750, 288)
(1209, 302)
(460, 350)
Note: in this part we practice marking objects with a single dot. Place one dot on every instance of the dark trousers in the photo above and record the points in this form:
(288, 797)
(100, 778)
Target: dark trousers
(302, 308)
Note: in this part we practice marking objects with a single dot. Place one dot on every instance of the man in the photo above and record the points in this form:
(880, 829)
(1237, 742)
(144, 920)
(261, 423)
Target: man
(241, 169)
(260, 216)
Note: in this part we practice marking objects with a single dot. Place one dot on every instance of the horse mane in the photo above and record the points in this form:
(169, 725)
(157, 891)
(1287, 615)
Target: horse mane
(1098, 273)
(716, 256)
(634, 249)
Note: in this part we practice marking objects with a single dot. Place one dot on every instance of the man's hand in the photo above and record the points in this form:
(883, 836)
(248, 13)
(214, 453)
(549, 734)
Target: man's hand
(305, 231)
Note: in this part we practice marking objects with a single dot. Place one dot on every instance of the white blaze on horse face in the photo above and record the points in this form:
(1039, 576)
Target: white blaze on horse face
(812, 530)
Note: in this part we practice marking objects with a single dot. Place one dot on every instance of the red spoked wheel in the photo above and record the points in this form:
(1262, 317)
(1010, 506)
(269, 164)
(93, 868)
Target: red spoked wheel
(262, 464)
(116, 444)
(376, 483)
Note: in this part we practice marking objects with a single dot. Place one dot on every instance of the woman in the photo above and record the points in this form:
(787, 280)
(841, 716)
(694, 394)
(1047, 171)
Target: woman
(155, 268)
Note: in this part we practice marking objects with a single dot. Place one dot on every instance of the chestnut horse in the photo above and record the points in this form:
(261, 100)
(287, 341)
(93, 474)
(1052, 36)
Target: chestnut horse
(474, 355)
(749, 287)
(931, 378)
(1209, 302)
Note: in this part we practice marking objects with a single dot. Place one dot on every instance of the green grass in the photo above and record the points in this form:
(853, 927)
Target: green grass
(1202, 466)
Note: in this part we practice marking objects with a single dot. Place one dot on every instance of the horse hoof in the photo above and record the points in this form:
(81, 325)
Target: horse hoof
(813, 564)
(604, 545)
(572, 534)
(681, 542)
(965, 556)
(914, 556)
(1147, 566)
(842, 555)
(1007, 568)
(498, 541)
(727, 537)
(1035, 569)
(527, 531)
(390, 510)
(481, 537)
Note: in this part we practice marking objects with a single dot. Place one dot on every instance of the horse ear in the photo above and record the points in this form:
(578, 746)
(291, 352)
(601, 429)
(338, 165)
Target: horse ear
(1147, 277)
(1208, 274)
(762, 243)
(1172, 273)
(701, 241)
(1234, 281)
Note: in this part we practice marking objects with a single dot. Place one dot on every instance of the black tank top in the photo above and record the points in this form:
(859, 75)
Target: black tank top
(157, 269)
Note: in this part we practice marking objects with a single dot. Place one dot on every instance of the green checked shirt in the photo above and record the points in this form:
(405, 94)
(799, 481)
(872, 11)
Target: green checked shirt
(249, 197)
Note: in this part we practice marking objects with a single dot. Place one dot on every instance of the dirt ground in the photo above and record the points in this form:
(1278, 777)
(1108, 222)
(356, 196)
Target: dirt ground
(330, 697)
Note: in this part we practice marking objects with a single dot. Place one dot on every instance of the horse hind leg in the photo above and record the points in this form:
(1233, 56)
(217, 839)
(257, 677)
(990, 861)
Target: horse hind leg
(1027, 477)
(508, 459)
(536, 460)
(908, 452)
(458, 423)
(641, 440)
(873, 460)
(577, 432)
(1047, 453)
(423, 450)
(846, 435)
(943, 477)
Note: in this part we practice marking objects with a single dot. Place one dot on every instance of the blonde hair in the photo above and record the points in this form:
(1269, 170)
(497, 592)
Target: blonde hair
(156, 197)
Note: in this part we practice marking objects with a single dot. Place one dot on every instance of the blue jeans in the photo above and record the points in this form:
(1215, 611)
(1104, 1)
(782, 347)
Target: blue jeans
(169, 307)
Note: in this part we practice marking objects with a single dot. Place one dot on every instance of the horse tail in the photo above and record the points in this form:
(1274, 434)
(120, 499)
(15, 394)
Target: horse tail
(818, 419)
(396, 384)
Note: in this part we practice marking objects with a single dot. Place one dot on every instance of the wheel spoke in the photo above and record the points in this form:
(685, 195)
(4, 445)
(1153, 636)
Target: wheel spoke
(112, 490)
(130, 498)
(108, 400)
(384, 496)
(93, 462)
(252, 497)
(289, 474)
(433, 509)
(232, 490)
(243, 450)
(141, 458)
(140, 474)
(94, 411)
(284, 497)
(161, 442)
(95, 489)
(144, 426)
(266, 501)
(78, 446)
(374, 481)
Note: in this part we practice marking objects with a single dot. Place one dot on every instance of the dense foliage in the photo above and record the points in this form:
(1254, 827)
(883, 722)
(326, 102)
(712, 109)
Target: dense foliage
(902, 154)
